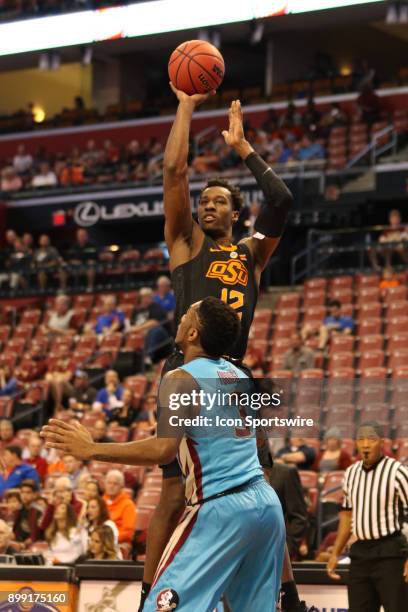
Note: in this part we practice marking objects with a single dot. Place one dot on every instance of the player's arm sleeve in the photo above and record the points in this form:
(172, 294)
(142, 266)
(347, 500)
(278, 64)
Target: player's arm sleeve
(278, 199)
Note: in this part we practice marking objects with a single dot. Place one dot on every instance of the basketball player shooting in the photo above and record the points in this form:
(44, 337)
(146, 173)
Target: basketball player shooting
(205, 262)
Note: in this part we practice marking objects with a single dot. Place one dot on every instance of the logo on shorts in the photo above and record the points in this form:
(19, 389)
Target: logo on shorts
(167, 600)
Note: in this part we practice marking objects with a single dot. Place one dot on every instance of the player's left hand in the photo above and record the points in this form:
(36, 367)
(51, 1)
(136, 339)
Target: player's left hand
(235, 136)
(406, 570)
(72, 438)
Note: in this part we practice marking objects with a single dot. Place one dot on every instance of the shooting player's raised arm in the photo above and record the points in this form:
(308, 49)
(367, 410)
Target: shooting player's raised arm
(177, 208)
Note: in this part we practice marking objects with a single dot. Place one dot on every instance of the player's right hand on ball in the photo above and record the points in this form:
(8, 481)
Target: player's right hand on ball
(195, 99)
(331, 567)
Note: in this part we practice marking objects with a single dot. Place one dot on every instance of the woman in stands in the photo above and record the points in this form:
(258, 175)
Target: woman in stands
(127, 415)
(101, 545)
(66, 540)
(97, 515)
(333, 457)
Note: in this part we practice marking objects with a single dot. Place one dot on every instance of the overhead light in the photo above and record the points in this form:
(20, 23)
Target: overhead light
(257, 32)
(345, 70)
(38, 114)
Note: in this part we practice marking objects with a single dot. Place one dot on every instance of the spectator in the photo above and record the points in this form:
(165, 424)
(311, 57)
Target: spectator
(45, 258)
(101, 545)
(19, 263)
(127, 414)
(369, 105)
(8, 382)
(396, 232)
(99, 432)
(59, 378)
(15, 470)
(92, 490)
(26, 523)
(28, 241)
(34, 456)
(81, 395)
(56, 464)
(389, 279)
(22, 161)
(311, 116)
(66, 540)
(38, 366)
(310, 149)
(60, 319)
(97, 514)
(7, 437)
(63, 493)
(151, 321)
(291, 117)
(164, 295)
(111, 394)
(332, 457)
(6, 536)
(296, 452)
(45, 177)
(298, 357)
(112, 319)
(83, 255)
(335, 322)
(10, 181)
(75, 469)
(335, 117)
(121, 508)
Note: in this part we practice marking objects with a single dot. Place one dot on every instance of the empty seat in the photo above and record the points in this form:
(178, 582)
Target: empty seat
(395, 294)
(341, 343)
(287, 315)
(283, 330)
(374, 373)
(332, 489)
(281, 345)
(369, 310)
(371, 359)
(374, 412)
(398, 308)
(83, 301)
(288, 300)
(314, 298)
(341, 359)
(368, 327)
(338, 282)
(398, 358)
(314, 315)
(263, 315)
(397, 341)
(367, 280)
(308, 478)
(315, 283)
(31, 317)
(396, 325)
(368, 294)
(342, 294)
(371, 343)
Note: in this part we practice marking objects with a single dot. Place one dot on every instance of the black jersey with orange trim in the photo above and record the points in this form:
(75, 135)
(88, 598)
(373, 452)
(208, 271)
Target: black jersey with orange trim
(224, 272)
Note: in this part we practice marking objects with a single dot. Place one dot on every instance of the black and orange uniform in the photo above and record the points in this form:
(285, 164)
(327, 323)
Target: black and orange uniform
(225, 272)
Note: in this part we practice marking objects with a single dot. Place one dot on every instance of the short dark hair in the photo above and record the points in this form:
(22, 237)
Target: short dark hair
(15, 449)
(236, 195)
(374, 425)
(12, 493)
(334, 304)
(220, 326)
(30, 483)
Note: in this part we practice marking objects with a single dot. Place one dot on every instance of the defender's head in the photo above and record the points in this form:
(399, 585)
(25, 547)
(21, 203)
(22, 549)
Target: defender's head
(210, 326)
(219, 207)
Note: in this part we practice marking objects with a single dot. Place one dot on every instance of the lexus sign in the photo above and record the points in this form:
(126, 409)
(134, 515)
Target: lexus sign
(87, 214)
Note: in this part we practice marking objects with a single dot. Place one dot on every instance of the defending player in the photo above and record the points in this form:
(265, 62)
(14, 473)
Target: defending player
(231, 538)
(205, 262)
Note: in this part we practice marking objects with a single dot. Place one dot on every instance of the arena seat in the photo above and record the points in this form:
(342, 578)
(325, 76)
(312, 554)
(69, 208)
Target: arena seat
(374, 412)
(308, 478)
(286, 315)
(283, 330)
(31, 317)
(84, 300)
(341, 343)
(332, 480)
(367, 280)
(314, 298)
(396, 325)
(341, 282)
(398, 358)
(369, 327)
(370, 310)
(395, 294)
(342, 294)
(341, 359)
(367, 294)
(6, 407)
(288, 300)
(143, 516)
(148, 498)
(315, 283)
(371, 359)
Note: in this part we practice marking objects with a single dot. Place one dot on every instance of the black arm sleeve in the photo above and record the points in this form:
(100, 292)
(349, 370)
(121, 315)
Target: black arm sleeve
(278, 199)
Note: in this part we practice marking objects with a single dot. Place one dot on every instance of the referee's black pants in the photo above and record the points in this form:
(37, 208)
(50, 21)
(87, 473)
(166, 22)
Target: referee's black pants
(376, 575)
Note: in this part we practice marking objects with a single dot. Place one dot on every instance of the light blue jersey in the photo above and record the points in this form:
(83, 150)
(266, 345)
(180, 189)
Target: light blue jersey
(215, 457)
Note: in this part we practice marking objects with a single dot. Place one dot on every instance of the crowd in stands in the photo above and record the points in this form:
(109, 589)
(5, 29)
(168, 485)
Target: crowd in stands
(286, 138)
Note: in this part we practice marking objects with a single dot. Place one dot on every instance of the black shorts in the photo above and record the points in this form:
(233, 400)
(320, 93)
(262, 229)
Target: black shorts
(172, 470)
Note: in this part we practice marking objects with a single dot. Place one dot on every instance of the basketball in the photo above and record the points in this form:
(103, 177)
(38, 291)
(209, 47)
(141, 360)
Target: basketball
(196, 66)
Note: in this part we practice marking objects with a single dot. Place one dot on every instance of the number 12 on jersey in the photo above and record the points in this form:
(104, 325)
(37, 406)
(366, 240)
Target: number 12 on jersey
(234, 298)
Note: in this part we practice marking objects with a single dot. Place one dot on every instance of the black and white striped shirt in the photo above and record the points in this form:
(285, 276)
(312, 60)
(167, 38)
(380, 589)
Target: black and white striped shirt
(377, 498)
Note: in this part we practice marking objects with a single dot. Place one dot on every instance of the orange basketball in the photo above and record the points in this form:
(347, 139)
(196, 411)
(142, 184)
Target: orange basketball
(196, 66)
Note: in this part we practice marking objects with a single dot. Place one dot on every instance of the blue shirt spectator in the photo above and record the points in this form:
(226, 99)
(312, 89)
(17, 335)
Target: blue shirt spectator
(111, 393)
(8, 383)
(164, 295)
(111, 320)
(339, 323)
(310, 150)
(16, 471)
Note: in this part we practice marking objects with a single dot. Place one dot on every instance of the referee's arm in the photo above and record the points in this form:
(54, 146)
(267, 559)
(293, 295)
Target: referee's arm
(402, 486)
(343, 532)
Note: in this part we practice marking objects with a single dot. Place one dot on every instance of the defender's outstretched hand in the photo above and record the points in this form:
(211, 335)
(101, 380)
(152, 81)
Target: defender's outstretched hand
(73, 438)
(195, 99)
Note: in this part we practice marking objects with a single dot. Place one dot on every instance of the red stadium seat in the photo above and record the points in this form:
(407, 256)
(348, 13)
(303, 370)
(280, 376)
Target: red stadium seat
(333, 480)
(129, 297)
(31, 317)
(398, 341)
(371, 343)
(397, 309)
(111, 341)
(367, 280)
(287, 315)
(144, 514)
(369, 310)
(402, 452)
(396, 325)
(342, 282)
(83, 301)
(395, 294)
(148, 498)
(374, 412)
(314, 315)
(283, 330)
(281, 345)
(398, 358)
(263, 315)
(308, 479)
(134, 342)
(314, 298)
(369, 327)
(343, 295)
(315, 283)
(341, 343)
(288, 300)
(79, 318)
(23, 331)
(376, 373)
(401, 414)
(368, 294)
(371, 359)
(341, 359)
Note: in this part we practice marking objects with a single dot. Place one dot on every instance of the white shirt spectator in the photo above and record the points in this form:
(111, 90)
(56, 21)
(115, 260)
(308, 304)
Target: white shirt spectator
(22, 162)
(67, 550)
(60, 322)
(44, 179)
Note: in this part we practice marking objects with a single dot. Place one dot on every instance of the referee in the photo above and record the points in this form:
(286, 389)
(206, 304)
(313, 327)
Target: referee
(375, 500)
